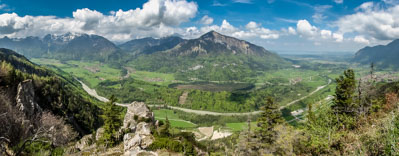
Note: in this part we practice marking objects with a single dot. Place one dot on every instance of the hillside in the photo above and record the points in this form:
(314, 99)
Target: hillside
(384, 56)
(33, 98)
(69, 46)
(212, 56)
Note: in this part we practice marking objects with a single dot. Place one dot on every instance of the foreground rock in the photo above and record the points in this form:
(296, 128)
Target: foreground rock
(138, 120)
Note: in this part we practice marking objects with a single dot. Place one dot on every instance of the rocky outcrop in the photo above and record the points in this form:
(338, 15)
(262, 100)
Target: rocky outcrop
(138, 120)
(26, 99)
(136, 111)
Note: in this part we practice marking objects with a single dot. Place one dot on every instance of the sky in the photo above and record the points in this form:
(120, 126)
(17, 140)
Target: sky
(277, 25)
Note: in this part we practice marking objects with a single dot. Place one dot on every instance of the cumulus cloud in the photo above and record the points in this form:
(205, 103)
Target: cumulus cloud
(305, 29)
(252, 30)
(361, 39)
(206, 20)
(252, 25)
(89, 18)
(371, 22)
(338, 37)
(155, 18)
(325, 34)
(291, 30)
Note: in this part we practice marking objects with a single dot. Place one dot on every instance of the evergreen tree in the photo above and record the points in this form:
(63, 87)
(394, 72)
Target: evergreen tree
(164, 129)
(112, 122)
(343, 102)
(268, 120)
(311, 116)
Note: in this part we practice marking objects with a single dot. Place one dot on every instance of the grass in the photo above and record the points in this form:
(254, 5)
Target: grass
(164, 79)
(80, 69)
(174, 120)
(239, 126)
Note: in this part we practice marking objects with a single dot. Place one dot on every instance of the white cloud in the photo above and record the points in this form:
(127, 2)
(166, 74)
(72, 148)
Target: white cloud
(206, 20)
(305, 29)
(371, 22)
(252, 25)
(361, 39)
(338, 37)
(242, 1)
(367, 6)
(252, 30)
(325, 34)
(339, 1)
(156, 18)
(291, 30)
(318, 17)
(391, 2)
(90, 18)
(226, 26)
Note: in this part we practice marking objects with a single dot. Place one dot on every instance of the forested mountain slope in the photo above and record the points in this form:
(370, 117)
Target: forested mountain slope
(384, 56)
(212, 56)
(34, 99)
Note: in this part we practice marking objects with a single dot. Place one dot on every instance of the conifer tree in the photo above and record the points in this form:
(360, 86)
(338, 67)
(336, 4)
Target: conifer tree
(112, 122)
(344, 94)
(268, 120)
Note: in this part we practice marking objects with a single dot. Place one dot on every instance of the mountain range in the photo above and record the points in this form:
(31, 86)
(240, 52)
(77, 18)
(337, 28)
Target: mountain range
(383, 56)
(69, 46)
(212, 56)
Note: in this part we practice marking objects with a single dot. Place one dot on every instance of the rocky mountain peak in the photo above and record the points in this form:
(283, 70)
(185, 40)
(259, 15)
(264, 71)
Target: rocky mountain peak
(211, 35)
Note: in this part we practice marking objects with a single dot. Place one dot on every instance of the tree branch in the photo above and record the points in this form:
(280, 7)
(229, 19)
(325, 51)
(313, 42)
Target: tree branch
(5, 139)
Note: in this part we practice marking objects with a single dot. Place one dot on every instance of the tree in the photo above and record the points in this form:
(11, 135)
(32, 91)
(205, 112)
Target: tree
(112, 122)
(164, 129)
(344, 93)
(268, 120)
(345, 107)
(50, 129)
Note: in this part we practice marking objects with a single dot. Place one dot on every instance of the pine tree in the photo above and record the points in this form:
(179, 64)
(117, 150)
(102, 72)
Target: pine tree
(268, 120)
(345, 106)
(164, 129)
(112, 122)
(344, 93)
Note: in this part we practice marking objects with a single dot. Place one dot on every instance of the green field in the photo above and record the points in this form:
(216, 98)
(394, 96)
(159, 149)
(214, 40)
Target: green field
(92, 73)
(154, 77)
(239, 126)
(174, 120)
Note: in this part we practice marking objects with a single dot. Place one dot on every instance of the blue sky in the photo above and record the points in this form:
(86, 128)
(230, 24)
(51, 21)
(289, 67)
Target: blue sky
(279, 25)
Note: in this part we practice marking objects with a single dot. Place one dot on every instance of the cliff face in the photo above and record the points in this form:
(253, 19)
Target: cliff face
(26, 99)
(213, 43)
